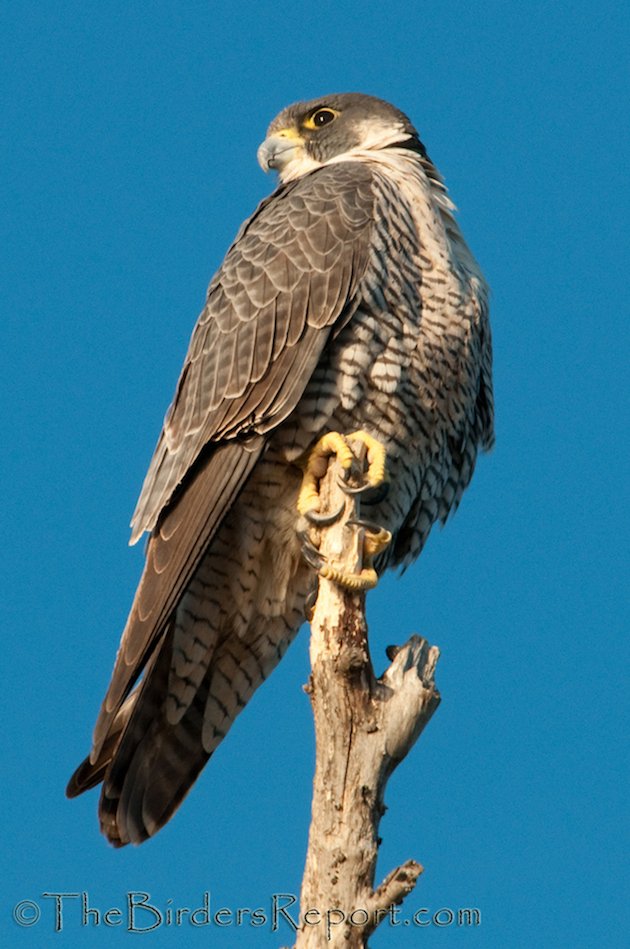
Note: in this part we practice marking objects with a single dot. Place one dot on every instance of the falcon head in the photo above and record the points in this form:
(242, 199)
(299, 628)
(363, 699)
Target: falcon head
(307, 135)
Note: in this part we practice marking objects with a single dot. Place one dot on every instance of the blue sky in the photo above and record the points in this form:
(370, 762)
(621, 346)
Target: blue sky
(132, 131)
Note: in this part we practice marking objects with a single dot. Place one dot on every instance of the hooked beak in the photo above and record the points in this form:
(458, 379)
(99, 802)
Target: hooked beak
(279, 149)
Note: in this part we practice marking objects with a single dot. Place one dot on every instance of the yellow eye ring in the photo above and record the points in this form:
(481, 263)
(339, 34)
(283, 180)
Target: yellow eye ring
(319, 118)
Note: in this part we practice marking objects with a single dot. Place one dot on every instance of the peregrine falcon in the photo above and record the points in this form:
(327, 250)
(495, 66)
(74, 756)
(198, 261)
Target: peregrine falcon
(348, 301)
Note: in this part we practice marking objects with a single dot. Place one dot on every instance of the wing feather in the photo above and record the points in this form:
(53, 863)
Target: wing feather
(173, 553)
(269, 313)
(295, 265)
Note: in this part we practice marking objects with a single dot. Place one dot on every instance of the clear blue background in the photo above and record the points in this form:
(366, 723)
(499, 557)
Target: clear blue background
(132, 130)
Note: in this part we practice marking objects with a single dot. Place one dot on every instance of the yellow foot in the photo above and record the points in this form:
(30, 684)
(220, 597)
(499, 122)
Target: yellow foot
(373, 538)
(316, 467)
(335, 444)
(374, 541)
(376, 456)
(357, 582)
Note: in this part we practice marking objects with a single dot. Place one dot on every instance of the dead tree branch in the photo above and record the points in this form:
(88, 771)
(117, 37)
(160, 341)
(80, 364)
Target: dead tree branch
(364, 727)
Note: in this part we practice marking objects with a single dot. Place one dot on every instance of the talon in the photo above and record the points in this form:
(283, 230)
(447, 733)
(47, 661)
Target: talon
(348, 490)
(323, 520)
(365, 524)
(376, 495)
(309, 603)
(310, 552)
(376, 538)
(375, 543)
(376, 455)
(312, 558)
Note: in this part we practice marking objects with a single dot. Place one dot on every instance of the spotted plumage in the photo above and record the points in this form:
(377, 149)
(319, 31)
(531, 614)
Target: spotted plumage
(349, 300)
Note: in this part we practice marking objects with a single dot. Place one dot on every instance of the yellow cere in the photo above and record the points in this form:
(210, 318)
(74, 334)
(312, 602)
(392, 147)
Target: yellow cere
(290, 133)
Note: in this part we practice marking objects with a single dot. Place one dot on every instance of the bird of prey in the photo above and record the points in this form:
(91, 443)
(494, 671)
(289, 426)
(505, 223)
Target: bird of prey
(349, 301)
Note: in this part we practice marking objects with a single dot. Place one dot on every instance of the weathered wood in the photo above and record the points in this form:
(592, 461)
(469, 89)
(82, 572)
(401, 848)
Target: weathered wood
(364, 727)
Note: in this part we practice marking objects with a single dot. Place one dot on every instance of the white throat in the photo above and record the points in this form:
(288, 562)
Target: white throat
(374, 137)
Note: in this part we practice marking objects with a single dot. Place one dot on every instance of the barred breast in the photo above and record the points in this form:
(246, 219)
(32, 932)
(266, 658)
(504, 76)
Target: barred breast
(413, 366)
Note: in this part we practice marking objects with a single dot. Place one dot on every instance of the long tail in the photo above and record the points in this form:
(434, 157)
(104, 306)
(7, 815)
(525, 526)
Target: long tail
(147, 764)
(201, 658)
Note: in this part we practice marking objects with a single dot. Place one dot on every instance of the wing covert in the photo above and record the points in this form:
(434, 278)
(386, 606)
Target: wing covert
(290, 275)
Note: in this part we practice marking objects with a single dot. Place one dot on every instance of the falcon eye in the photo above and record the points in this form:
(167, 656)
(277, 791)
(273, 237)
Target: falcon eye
(323, 117)
(320, 118)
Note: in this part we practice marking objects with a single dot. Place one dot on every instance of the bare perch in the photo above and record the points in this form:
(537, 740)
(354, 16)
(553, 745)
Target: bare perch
(364, 727)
